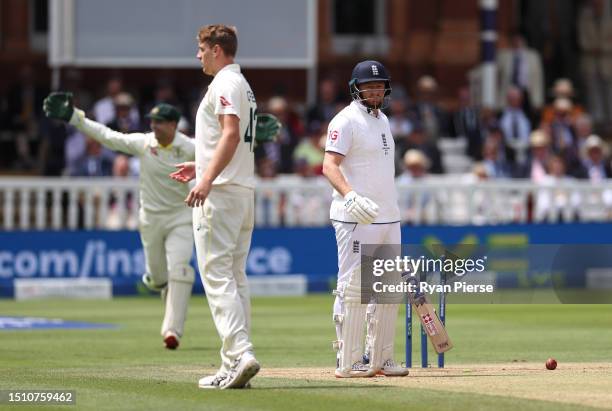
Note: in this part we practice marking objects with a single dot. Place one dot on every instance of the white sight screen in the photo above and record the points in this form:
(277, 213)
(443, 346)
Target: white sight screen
(271, 33)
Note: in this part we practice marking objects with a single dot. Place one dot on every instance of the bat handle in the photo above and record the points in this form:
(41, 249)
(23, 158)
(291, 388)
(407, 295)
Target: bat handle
(442, 311)
(422, 277)
(408, 334)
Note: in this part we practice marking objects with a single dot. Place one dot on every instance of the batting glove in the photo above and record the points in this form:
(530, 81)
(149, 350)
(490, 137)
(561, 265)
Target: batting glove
(360, 208)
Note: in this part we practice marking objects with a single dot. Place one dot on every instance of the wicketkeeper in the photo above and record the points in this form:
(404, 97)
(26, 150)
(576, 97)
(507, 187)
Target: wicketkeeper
(164, 221)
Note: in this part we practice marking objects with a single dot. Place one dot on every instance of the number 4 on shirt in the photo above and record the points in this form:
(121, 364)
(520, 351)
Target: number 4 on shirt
(248, 134)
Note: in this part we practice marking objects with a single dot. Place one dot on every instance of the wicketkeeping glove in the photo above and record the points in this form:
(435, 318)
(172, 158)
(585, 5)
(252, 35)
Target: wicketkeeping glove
(360, 208)
(267, 127)
(59, 105)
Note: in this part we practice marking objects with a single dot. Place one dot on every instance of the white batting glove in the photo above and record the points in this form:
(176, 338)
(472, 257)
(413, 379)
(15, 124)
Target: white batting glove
(361, 208)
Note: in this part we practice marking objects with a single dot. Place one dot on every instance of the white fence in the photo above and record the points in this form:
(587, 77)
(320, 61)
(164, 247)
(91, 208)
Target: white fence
(100, 203)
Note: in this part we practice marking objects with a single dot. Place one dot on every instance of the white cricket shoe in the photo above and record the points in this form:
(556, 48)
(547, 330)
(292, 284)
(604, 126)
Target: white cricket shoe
(245, 368)
(171, 340)
(358, 370)
(391, 369)
(211, 381)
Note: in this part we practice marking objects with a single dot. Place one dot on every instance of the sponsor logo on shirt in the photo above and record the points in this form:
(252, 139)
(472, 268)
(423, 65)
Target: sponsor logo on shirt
(224, 102)
(333, 135)
(385, 146)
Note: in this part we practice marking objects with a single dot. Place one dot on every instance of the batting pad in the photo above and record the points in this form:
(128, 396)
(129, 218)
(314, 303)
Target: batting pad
(177, 300)
(350, 324)
(381, 332)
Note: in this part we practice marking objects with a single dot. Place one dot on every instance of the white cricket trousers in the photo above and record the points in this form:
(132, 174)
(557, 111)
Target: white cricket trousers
(222, 229)
(349, 239)
(167, 242)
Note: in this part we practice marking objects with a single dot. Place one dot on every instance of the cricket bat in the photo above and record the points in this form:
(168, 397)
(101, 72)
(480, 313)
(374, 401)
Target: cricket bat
(429, 319)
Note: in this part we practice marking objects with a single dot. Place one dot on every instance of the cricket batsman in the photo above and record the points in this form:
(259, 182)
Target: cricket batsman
(359, 164)
(164, 221)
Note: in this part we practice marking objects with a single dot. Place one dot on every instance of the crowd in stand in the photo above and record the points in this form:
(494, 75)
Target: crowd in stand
(522, 139)
(533, 132)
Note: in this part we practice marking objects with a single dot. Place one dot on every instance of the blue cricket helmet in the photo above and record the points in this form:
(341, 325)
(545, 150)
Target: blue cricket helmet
(367, 71)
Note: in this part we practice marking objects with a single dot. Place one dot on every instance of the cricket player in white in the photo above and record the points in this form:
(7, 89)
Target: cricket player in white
(164, 221)
(359, 163)
(223, 202)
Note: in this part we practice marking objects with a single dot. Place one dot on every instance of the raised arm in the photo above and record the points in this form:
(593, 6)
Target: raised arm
(59, 106)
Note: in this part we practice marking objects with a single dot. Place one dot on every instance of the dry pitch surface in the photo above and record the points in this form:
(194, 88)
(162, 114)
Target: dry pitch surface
(571, 383)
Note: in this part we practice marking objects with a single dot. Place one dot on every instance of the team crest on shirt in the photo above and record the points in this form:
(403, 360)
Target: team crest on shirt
(333, 135)
(153, 150)
(224, 102)
(385, 145)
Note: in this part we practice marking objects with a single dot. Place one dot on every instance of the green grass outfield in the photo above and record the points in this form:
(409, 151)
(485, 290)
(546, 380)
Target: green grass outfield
(497, 362)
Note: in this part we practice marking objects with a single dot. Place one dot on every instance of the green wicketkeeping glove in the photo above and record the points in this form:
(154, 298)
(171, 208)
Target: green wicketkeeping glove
(267, 127)
(59, 105)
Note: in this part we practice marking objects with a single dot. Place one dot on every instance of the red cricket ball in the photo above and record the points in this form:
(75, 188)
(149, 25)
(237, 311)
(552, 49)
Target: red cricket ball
(551, 364)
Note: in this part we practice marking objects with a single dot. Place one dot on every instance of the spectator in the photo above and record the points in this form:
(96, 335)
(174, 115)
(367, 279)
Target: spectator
(553, 201)
(308, 155)
(515, 126)
(426, 110)
(594, 165)
(93, 161)
(594, 33)
(478, 205)
(104, 109)
(418, 140)
(184, 126)
(521, 67)
(493, 160)
(562, 127)
(124, 123)
(477, 174)
(563, 88)
(399, 121)
(416, 165)
(281, 150)
(329, 102)
(487, 121)
(536, 166)
(118, 217)
(414, 204)
(583, 128)
(164, 93)
(466, 120)
(550, 27)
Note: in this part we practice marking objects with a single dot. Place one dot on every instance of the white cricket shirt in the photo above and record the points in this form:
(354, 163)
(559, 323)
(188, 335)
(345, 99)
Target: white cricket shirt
(368, 148)
(158, 192)
(228, 93)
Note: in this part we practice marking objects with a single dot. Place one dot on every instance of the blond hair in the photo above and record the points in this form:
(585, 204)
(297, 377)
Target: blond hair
(223, 36)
